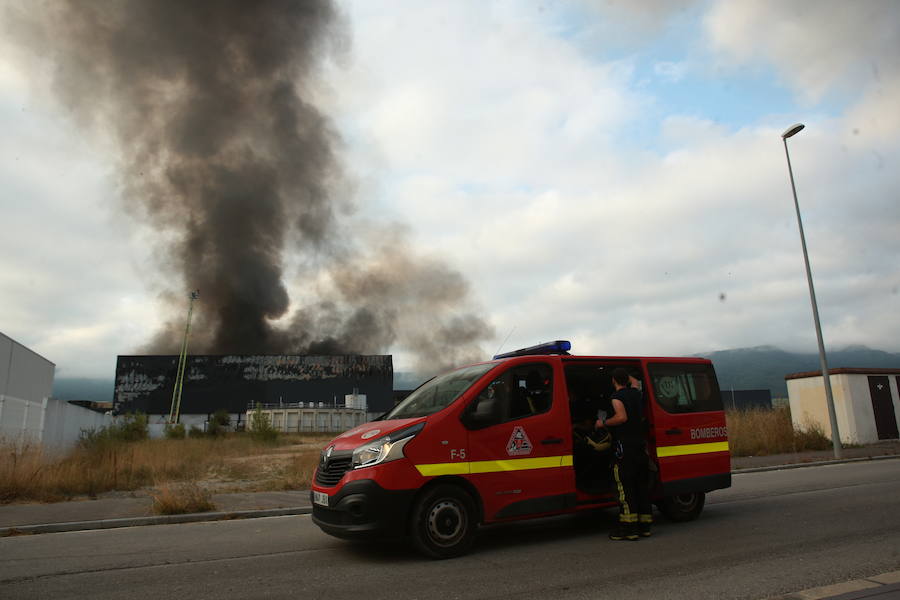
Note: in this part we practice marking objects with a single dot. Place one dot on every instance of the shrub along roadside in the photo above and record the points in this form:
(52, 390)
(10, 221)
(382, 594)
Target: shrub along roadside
(26, 474)
(181, 498)
(127, 428)
(758, 432)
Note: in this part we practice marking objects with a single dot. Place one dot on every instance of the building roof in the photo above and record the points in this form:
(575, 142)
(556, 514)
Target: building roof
(843, 371)
(26, 348)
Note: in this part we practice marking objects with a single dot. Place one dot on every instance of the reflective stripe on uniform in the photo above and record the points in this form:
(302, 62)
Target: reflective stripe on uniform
(709, 447)
(624, 512)
(494, 466)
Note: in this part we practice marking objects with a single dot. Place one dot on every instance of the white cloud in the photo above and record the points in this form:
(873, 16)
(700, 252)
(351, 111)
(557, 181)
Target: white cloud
(816, 45)
(621, 249)
(671, 72)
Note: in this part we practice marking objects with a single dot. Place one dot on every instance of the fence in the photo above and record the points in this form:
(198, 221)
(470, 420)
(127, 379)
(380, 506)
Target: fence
(310, 420)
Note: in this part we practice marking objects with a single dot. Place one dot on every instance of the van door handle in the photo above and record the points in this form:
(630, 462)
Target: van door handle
(674, 431)
(552, 441)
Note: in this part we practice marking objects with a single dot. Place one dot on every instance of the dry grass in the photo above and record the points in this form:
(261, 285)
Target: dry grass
(28, 475)
(762, 432)
(181, 498)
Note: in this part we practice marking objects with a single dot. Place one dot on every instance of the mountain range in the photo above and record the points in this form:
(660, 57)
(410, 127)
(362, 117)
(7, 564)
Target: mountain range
(764, 367)
(758, 368)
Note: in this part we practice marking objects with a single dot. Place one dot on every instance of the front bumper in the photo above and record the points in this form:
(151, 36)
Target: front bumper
(363, 509)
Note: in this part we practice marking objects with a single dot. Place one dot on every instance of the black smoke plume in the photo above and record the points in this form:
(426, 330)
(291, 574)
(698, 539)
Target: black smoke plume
(222, 150)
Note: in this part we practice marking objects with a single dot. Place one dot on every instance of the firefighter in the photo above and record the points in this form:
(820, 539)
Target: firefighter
(630, 463)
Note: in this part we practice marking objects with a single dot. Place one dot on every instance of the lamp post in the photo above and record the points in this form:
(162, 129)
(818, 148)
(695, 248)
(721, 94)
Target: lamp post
(829, 398)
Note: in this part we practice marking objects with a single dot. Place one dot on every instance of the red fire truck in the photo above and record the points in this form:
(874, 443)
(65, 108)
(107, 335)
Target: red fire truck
(499, 441)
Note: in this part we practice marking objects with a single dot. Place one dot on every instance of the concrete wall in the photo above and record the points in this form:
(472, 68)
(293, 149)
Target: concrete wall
(852, 405)
(20, 420)
(54, 424)
(63, 423)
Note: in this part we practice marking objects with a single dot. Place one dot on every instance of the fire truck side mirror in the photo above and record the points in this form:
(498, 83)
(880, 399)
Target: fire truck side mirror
(482, 413)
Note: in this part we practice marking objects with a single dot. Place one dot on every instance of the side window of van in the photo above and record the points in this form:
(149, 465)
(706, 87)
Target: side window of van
(685, 388)
(519, 392)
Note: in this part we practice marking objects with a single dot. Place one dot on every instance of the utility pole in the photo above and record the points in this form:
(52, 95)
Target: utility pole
(175, 410)
(826, 377)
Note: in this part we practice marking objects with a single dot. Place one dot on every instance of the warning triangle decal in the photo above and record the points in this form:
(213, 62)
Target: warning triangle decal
(518, 442)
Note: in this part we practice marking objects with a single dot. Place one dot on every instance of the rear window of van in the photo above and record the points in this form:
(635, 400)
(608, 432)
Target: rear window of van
(685, 388)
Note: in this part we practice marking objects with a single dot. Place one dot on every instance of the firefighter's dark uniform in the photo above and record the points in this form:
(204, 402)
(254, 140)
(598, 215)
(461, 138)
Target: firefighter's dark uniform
(630, 468)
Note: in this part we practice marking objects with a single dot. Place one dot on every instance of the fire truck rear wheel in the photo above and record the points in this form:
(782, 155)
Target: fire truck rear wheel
(443, 522)
(683, 507)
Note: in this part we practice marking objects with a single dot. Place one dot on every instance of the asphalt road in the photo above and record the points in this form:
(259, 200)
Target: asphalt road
(772, 533)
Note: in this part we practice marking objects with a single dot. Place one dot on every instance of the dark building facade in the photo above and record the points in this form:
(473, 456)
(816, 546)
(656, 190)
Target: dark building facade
(746, 399)
(232, 382)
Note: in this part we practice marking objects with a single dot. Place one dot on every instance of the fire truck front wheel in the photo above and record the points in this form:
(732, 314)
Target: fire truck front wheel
(443, 522)
(683, 507)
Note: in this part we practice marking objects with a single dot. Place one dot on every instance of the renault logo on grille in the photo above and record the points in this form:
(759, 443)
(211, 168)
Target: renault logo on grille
(327, 455)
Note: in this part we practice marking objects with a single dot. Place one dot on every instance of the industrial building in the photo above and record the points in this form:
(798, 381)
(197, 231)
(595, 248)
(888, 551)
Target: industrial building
(28, 413)
(26, 380)
(746, 399)
(866, 403)
(236, 383)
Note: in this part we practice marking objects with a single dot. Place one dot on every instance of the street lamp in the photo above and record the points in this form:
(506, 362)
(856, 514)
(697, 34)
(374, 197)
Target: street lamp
(829, 398)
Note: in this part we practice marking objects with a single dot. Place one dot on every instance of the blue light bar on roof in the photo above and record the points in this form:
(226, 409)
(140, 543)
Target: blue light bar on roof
(557, 347)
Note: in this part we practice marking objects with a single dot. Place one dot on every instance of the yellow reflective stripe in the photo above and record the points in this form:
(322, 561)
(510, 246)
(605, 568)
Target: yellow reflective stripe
(515, 464)
(494, 466)
(666, 451)
(623, 505)
(457, 468)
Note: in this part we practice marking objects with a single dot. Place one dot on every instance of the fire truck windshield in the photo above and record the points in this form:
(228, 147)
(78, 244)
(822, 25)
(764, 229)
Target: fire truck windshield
(438, 393)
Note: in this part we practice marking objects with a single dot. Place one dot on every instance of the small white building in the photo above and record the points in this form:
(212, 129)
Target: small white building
(866, 403)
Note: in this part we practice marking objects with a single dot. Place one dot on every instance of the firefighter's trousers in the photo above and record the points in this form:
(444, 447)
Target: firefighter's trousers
(632, 477)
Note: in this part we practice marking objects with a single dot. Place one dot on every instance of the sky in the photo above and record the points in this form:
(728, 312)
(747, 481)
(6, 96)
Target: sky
(611, 173)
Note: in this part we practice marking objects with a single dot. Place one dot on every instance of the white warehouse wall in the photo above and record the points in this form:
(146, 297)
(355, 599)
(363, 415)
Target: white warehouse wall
(24, 374)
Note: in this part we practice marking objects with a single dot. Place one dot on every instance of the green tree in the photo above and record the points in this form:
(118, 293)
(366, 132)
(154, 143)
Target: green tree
(261, 428)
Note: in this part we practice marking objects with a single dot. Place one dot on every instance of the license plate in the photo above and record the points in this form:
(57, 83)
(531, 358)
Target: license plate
(320, 498)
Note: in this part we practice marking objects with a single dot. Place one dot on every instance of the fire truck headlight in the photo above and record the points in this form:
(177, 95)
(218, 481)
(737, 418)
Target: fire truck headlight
(379, 451)
(384, 449)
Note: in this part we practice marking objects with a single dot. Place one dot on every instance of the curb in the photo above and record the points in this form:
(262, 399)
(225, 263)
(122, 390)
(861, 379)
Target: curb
(885, 586)
(157, 520)
(820, 463)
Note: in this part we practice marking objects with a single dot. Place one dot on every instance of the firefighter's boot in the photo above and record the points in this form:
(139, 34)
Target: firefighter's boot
(624, 531)
(644, 522)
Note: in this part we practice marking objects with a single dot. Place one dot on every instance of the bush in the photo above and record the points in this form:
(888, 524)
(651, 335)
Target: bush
(187, 497)
(261, 428)
(195, 432)
(759, 432)
(126, 428)
(812, 437)
(175, 432)
(218, 423)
